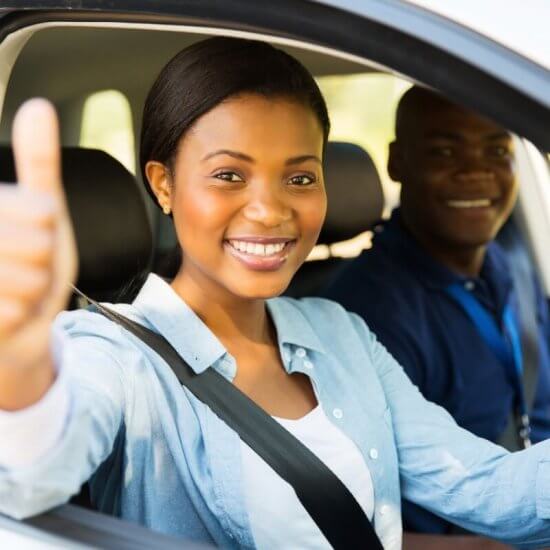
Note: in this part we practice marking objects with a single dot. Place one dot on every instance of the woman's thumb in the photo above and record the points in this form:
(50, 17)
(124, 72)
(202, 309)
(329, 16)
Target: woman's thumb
(36, 148)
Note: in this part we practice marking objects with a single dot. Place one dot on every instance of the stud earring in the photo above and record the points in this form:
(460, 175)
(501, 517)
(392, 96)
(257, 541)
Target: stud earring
(166, 209)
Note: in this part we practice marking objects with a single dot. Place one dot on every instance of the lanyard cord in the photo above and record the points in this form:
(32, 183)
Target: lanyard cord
(505, 344)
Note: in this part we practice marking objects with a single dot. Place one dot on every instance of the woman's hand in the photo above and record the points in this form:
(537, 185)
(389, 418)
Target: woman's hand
(38, 258)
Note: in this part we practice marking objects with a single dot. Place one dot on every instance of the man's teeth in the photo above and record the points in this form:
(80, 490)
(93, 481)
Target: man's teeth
(257, 249)
(478, 203)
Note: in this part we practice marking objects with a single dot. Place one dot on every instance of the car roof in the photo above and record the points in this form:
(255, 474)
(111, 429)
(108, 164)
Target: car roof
(519, 26)
(389, 35)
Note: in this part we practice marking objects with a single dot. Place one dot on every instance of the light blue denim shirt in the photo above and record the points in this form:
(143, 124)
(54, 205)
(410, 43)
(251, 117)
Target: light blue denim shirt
(160, 457)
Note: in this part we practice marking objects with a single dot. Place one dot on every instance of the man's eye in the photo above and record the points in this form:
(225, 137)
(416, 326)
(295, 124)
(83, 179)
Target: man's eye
(446, 152)
(228, 176)
(499, 151)
(301, 179)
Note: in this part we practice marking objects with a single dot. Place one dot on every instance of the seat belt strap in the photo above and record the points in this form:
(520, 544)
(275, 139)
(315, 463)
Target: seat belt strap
(523, 277)
(327, 500)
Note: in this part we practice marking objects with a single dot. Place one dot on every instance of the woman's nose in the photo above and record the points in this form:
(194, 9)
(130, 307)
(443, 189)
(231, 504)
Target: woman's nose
(268, 208)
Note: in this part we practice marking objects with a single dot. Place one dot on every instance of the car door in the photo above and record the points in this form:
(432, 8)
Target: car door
(400, 37)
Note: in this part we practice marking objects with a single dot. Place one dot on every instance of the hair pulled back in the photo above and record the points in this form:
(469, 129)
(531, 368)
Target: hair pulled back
(206, 73)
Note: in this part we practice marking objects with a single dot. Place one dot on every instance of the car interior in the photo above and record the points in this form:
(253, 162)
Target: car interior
(121, 234)
(47, 66)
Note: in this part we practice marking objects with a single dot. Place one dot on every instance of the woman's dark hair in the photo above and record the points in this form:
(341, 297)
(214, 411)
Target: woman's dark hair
(203, 75)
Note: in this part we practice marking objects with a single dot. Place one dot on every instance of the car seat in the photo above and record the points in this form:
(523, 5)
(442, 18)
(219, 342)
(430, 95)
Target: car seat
(112, 230)
(355, 205)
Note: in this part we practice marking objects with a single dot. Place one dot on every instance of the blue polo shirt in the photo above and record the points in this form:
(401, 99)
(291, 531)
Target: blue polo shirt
(399, 289)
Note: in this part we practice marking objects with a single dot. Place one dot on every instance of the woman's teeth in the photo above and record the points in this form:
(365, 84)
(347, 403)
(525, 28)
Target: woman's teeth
(478, 203)
(258, 249)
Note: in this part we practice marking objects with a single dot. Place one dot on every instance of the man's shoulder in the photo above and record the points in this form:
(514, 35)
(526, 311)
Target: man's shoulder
(376, 275)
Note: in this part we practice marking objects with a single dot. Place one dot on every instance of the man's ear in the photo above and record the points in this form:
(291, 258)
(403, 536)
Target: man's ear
(395, 162)
(160, 182)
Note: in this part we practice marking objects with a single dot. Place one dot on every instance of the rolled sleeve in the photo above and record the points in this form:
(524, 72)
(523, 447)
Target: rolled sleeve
(28, 434)
(81, 432)
(458, 476)
(543, 489)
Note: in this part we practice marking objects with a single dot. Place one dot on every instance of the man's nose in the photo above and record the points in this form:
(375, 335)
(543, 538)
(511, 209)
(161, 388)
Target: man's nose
(474, 167)
(475, 174)
(268, 206)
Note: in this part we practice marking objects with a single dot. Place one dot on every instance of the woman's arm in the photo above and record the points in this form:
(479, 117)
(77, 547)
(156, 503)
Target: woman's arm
(451, 472)
(95, 389)
(58, 428)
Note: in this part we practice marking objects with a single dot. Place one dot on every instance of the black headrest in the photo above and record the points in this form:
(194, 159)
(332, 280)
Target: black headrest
(112, 230)
(355, 197)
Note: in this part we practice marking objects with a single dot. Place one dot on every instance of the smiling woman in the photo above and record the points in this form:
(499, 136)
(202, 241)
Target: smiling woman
(232, 143)
(264, 194)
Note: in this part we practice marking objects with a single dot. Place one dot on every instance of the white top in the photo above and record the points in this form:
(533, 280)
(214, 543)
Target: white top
(269, 496)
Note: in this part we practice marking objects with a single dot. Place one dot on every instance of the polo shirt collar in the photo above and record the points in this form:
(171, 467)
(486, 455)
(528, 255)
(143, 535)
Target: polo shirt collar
(432, 273)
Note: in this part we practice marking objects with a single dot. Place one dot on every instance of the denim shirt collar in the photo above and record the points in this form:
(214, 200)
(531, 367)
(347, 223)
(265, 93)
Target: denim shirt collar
(292, 326)
(169, 315)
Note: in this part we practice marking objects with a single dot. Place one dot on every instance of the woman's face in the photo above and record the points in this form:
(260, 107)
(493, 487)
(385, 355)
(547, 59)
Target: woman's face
(247, 195)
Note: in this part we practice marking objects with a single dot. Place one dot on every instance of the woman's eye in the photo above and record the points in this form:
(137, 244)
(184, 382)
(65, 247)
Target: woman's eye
(301, 179)
(232, 177)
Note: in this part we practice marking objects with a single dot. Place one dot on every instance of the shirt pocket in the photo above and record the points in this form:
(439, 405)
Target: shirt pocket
(543, 489)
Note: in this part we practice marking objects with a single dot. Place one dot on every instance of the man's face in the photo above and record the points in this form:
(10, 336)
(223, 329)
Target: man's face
(457, 171)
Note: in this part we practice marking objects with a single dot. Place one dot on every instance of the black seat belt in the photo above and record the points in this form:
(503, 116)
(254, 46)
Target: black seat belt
(327, 500)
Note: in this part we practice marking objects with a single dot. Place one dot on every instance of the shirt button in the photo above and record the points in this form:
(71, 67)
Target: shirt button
(308, 364)
(301, 352)
(384, 509)
(337, 413)
(469, 285)
(373, 453)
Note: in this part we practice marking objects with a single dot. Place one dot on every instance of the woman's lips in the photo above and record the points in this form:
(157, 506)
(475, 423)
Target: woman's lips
(260, 254)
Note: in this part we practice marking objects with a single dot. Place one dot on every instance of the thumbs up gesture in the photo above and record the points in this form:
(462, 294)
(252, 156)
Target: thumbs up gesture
(38, 258)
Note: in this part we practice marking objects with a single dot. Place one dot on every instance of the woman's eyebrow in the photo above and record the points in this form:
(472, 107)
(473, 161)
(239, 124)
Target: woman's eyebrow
(302, 158)
(248, 158)
(235, 154)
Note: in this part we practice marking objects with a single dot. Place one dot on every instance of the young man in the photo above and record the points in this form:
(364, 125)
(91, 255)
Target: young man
(437, 290)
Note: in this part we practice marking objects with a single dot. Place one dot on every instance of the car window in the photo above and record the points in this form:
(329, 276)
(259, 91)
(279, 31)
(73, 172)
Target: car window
(107, 125)
(362, 108)
(362, 111)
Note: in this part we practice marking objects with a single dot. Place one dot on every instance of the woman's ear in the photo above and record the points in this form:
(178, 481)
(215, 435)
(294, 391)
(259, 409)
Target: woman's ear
(160, 181)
